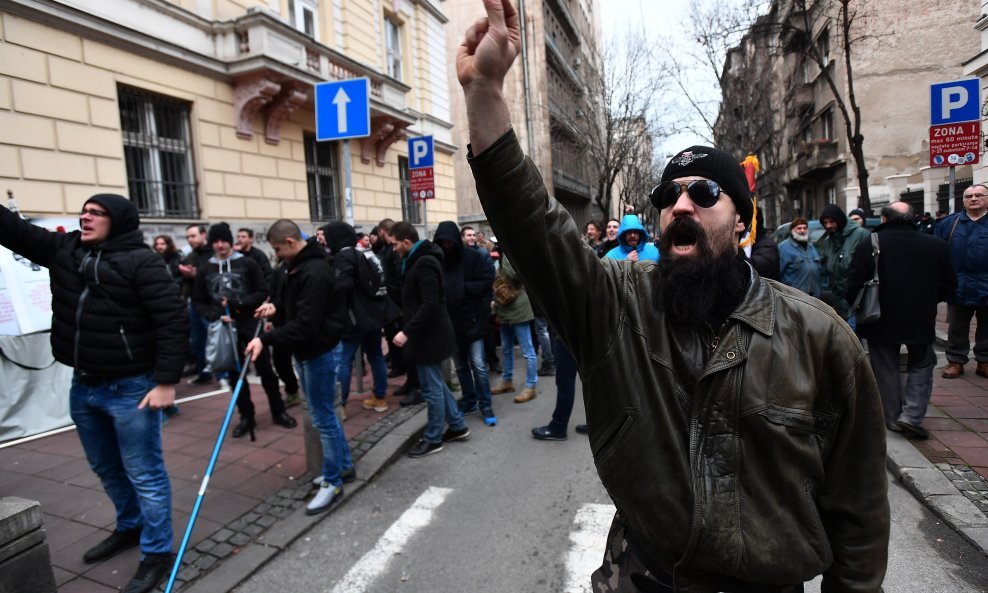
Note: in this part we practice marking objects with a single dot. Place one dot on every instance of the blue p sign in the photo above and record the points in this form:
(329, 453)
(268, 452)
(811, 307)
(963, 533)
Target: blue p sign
(420, 153)
(955, 102)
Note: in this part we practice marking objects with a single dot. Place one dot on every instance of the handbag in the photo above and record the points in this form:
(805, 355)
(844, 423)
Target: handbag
(505, 291)
(221, 348)
(866, 306)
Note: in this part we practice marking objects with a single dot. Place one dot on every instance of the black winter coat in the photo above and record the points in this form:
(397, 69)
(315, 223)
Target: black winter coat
(116, 312)
(423, 302)
(262, 261)
(312, 308)
(364, 313)
(469, 285)
(914, 274)
(195, 258)
(240, 281)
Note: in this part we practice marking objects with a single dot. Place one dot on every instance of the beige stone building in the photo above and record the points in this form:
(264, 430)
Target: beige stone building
(561, 41)
(203, 110)
(978, 66)
(901, 48)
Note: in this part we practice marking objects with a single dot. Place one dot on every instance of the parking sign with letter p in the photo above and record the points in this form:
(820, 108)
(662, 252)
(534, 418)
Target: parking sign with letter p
(420, 152)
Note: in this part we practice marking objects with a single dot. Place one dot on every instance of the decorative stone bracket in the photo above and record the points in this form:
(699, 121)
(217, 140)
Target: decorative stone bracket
(253, 94)
(385, 131)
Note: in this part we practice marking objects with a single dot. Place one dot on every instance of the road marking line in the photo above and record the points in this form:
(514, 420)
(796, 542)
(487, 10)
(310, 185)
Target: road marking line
(374, 562)
(587, 542)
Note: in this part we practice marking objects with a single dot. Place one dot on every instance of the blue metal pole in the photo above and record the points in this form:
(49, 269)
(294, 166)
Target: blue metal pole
(209, 468)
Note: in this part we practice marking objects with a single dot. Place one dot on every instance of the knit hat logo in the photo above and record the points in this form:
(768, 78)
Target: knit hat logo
(687, 157)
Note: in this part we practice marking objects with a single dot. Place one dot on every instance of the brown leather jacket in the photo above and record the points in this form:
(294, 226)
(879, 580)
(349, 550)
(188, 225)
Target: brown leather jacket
(770, 470)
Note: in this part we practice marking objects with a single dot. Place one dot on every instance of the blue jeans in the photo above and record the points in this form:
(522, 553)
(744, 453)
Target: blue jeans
(545, 343)
(471, 369)
(123, 446)
(318, 378)
(510, 332)
(370, 344)
(198, 327)
(439, 399)
(565, 386)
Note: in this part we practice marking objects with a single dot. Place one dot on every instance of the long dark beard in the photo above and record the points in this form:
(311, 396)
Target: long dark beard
(694, 287)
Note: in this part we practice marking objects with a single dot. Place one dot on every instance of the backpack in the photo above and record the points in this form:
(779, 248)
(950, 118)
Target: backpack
(370, 274)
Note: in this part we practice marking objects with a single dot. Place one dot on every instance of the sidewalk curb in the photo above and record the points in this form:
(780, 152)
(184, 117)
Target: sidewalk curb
(931, 487)
(275, 540)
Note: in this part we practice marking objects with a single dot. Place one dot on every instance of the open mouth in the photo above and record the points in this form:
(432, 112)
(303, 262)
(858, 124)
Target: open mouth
(683, 237)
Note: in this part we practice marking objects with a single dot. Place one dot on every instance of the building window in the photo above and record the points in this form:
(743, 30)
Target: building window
(322, 174)
(158, 154)
(392, 39)
(302, 16)
(823, 47)
(411, 210)
(807, 72)
(827, 124)
(830, 192)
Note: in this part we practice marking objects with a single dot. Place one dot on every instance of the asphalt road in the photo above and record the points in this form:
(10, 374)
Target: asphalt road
(503, 512)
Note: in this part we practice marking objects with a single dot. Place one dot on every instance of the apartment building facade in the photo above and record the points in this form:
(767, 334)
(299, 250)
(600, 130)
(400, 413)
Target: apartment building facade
(778, 103)
(545, 91)
(203, 110)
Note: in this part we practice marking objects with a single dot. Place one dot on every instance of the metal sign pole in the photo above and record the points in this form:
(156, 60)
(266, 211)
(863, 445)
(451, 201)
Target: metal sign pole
(425, 217)
(347, 188)
(951, 176)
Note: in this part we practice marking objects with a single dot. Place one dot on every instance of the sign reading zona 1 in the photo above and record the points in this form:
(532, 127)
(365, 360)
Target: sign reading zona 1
(421, 158)
(955, 144)
(955, 124)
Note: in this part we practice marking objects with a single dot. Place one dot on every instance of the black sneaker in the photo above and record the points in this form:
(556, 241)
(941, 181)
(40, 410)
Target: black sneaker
(913, 430)
(455, 435)
(547, 371)
(113, 545)
(581, 428)
(149, 573)
(468, 410)
(423, 448)
(544, 433)
(349, 475)
(412, 399)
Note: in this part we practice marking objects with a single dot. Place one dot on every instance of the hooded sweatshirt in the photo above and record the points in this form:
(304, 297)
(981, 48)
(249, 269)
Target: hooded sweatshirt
(835, 252)
(469, 284)
(363, 312)
(646, 250)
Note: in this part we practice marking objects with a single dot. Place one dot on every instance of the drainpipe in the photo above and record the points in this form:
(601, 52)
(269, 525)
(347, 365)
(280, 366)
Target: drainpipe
(525, 81)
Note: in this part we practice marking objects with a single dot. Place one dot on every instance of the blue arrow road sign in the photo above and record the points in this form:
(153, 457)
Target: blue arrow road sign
(343, 109)
(420, 153)
(955, 102)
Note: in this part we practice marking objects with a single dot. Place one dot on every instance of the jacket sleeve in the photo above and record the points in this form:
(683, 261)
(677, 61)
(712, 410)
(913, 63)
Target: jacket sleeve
(947, 290)
(853, 501)
(429, 276)
(310, 311)
(861, 270)
(202, 301)
(166, 309)
(584, 298)
(33, 242)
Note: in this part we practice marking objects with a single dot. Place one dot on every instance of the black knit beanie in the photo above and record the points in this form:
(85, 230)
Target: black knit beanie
(716, 165)
(220, 232)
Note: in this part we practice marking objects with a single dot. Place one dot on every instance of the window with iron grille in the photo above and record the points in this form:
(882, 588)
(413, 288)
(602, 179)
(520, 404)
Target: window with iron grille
(411, 210)
(322, 173)
(158, 153)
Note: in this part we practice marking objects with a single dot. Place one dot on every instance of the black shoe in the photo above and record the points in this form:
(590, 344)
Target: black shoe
(395, 372)
(581, 428)
(467, 410)
(404, 389)
(423, 448)
(893, 427)
(544, 433)
(283, 419)
(349, 475)
(149, 573)
(913, 430)
(201, 380)
(113, 545)
(243, 427)
(547, 370)
(413, 398)
(455, 435)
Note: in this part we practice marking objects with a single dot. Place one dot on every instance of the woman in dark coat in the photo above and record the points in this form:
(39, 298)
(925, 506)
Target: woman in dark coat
(165, 247)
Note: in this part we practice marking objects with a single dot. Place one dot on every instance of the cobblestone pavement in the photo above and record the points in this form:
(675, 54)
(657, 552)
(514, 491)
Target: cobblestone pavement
(971, 484)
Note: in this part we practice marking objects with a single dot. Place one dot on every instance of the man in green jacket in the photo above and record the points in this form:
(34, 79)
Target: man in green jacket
(735, 422)
(836, 248)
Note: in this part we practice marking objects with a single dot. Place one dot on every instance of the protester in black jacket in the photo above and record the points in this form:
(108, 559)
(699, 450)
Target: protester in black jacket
(469, 292)
(245, 245)
(391, 262)
(230, 287)
(914, 274)
(196, 235)
(763, 252)
(428, 334)
(366, 314)
(119, 321)
(313, 325)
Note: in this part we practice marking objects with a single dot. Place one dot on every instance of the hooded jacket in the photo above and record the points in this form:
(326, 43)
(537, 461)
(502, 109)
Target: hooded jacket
(364, 313)
(646, 250)
(835, 252)
(469, 284)
(116, 312)
(238, 279)
(768, 470)
(311, 308)
(423, 303)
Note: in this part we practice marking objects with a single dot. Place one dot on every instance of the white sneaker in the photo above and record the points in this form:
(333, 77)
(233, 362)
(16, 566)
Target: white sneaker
(224, 384)
(324, 499)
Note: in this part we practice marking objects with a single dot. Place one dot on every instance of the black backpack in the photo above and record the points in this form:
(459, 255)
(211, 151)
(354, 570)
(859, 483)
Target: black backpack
(370, 275)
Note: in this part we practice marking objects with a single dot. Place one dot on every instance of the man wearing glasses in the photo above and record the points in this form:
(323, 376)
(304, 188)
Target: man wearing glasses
(966, 234)
(735, 422)
(119, 320)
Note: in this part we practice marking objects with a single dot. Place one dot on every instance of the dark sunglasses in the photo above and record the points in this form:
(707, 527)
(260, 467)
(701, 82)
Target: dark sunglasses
(94, 212)
(703, 192)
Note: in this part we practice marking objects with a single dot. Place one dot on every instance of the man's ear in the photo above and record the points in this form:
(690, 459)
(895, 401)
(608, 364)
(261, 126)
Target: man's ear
(739, 225)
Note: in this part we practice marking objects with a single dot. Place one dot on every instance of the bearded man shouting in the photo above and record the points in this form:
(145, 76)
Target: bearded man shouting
(734, 421)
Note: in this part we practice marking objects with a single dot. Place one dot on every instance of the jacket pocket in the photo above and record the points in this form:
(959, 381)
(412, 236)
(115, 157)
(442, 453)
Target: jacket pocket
(614, 432)
(126, 343)
(815, 422)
